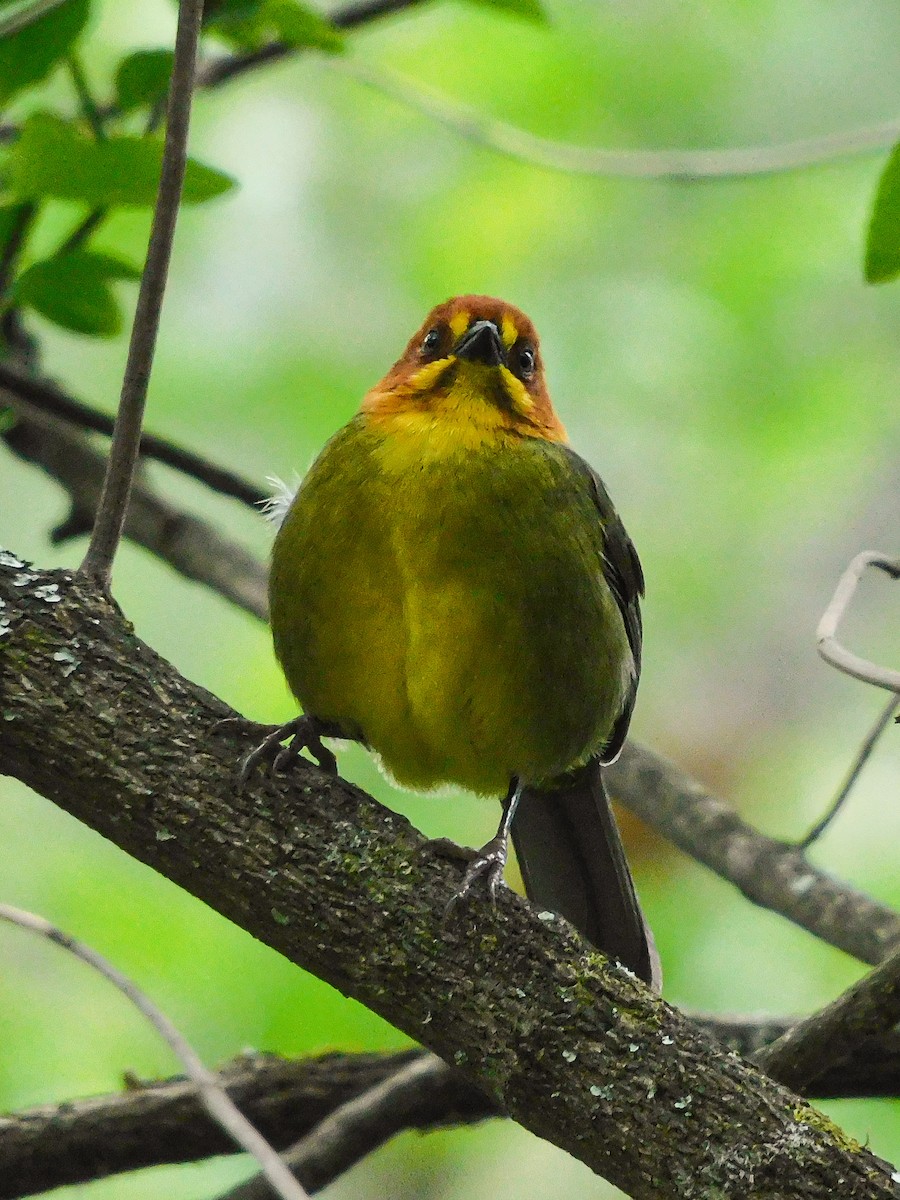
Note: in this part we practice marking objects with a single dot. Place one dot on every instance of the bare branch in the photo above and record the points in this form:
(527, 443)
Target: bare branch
(125, 448)
(193, 547)
(98, 723)
(682, 165)
(862, 757)
(773, 874)
(826, 635)
(870, 1008)
(216, 1100)
(162, 1121)
(359, 1127)
(50, 399)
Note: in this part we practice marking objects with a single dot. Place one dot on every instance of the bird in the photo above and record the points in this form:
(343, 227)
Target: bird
(452, 587)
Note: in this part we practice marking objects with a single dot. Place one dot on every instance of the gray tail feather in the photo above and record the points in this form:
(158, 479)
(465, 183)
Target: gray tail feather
(573, 863)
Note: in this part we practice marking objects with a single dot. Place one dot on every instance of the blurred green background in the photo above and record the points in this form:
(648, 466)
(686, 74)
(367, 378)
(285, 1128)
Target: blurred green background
(712, 349)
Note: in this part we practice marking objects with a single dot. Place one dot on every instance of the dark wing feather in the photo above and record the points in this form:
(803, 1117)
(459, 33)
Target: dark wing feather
(622, 572)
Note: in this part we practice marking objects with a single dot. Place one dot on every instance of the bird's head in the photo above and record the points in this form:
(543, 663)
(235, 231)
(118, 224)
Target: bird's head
(475, 360)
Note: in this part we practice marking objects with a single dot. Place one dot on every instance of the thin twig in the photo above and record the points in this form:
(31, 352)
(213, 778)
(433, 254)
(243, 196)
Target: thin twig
(870, 1008)
(862, 757)
(47, 398)
(826, 635)
(215, 1098)
(358, 1127)
(126, 437)
(682, 165)
(83, 230)
(89, 107)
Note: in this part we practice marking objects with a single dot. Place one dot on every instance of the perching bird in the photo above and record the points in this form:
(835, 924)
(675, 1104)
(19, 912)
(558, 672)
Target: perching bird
(452, 587)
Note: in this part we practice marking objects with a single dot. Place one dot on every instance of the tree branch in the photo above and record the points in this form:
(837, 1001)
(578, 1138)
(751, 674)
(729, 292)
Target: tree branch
(775, 875)
(125, 447)
(677, 165)
(43, 396)
(585, 1057)
(870, 1008)
(193, 547)
(218, 1104)
(358, 1127)
(862, 757)
(162, 1122)
(826, 635)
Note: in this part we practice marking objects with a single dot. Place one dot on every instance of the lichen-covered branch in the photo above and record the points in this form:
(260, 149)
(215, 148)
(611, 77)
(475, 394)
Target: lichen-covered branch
(573, 1048)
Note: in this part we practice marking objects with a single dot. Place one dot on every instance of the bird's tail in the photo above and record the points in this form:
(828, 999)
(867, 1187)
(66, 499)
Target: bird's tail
(573, 863)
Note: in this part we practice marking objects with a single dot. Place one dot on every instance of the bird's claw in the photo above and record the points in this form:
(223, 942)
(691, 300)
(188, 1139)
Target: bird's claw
(487, 863)
(305, 733)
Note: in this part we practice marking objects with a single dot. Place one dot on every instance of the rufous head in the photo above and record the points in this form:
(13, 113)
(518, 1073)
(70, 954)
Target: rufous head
(474, 358)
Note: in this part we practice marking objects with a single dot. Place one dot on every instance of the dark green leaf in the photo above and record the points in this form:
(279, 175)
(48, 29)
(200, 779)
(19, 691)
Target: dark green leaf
(300, 26)
(533, 10)
(11, 218)
(73, 291)
(883, 239)
(238, 22)
(27, 55)
(143, 78)
(249, 24)
(52, 159)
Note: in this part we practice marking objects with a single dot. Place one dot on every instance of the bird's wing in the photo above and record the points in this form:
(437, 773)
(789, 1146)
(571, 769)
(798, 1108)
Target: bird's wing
(623, 574)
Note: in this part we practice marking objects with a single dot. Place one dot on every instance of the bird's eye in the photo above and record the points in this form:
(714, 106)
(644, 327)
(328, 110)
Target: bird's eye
(431, 341)
(527, 360)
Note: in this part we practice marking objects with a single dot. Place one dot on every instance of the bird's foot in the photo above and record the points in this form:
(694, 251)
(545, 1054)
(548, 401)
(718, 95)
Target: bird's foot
(487, 864)
(302, 733)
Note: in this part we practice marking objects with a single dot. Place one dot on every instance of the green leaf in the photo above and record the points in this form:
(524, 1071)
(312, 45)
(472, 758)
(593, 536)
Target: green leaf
(53, 159)
(238, 22)
(883, 239)
(250, 24)
(300, 26)
(143, 78)
(73, 290)
(29, 54)
(11, 216)
(532, 10)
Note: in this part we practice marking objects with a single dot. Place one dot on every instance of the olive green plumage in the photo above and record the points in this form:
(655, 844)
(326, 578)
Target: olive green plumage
(467, 607)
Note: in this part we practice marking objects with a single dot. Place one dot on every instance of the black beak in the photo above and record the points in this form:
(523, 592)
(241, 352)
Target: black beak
(481, 344)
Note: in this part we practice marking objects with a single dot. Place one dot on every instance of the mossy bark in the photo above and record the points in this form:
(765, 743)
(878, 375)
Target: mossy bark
(573, 1048)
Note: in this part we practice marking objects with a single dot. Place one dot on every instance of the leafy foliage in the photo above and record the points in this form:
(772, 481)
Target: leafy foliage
(29, 53)
(74, 291)
(53, 159)
(249, 24)
(882, 261)
(143, 78)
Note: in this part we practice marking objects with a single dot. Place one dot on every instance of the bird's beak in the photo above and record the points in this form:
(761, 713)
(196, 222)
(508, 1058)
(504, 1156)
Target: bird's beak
(481, 343)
